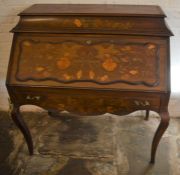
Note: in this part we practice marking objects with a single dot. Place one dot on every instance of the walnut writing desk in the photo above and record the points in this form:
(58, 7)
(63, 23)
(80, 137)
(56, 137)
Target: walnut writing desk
(89, 60)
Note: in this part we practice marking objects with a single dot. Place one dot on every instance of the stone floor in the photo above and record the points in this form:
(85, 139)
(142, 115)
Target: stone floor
(93, 145)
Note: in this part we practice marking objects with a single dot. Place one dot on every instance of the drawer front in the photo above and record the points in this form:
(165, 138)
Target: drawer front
(89, 59)
(93, 24)
(89, 102)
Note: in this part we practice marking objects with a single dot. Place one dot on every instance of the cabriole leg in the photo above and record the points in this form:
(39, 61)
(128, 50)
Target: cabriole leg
(160, 131)
(147, 115)
(18, 120)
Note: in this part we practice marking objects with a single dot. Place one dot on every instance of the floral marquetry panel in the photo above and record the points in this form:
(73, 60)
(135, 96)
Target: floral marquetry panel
(102, 62)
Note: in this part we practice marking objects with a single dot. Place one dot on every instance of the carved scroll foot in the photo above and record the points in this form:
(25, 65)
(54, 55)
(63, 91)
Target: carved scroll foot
(147, 115)
(16, 116)
(160, 131)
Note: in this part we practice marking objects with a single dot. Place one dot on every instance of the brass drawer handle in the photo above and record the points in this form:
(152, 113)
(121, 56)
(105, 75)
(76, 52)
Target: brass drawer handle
(142, 103)
(136, 103)
(88, 42)
(147, 103)
(28, 97)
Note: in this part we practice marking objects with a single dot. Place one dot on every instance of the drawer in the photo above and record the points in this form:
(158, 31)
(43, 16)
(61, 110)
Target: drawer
(91, 61)
(86, 102)
(90, 24)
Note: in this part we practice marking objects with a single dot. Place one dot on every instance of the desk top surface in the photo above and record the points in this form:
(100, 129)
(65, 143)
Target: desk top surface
(94, 9)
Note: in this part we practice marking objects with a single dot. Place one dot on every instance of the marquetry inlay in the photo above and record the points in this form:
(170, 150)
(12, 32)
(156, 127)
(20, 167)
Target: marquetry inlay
(78, 22)
(90, 60)
(99, 62)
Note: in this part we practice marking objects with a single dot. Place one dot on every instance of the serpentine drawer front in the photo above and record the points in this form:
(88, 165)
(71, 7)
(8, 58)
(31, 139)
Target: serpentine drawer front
(89, 60)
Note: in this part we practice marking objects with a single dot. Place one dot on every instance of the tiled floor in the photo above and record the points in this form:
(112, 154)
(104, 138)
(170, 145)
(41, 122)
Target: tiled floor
(93, 145)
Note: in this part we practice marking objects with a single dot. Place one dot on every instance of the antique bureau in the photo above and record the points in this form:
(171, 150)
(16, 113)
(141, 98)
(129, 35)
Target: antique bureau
(90, 60)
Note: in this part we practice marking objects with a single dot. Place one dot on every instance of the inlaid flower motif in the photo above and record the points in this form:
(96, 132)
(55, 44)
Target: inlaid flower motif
(79, 74)
(40, 69)
(63, 63)
(78, 22)
(66, 76)
(133, 72)
(151, 46)
(109, 65)
(91, 74)
(104, 78)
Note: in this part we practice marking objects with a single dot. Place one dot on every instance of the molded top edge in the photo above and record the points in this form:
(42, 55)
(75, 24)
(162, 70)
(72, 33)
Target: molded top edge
(94, 10)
